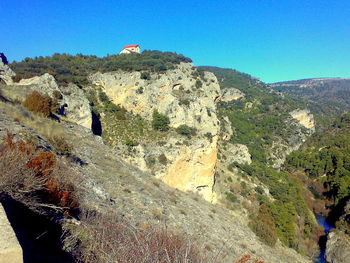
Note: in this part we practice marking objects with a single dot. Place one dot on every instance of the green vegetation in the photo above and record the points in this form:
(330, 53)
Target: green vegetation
(68, 68)
(327, 153)
(259, 119)
(160, 121)
(186, 130)
(263, 226)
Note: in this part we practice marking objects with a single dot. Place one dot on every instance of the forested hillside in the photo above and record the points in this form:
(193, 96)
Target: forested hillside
(326, 158)
(261, 120)
(324, 96)
(68, 68)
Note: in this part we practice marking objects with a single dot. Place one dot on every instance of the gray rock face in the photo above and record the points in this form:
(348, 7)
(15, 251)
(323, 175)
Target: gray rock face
(45, 84)
(231, 94)
(10, 249)
(77, 107)
(238, 153)
(338, 247)
(6, 73)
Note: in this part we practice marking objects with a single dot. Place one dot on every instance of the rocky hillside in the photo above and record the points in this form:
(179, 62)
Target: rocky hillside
(196, 148)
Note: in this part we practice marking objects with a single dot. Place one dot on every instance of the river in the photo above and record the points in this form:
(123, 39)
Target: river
(321, 220)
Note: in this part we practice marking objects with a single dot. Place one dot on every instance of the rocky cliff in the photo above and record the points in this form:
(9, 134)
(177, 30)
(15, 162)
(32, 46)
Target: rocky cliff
(338, 247)
(187, 99)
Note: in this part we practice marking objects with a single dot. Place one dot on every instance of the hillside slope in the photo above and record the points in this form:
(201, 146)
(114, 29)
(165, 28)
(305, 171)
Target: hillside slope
(113, 185)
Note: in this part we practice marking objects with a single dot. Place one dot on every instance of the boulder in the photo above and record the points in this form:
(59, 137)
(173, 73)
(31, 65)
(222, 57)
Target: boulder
(10, 249)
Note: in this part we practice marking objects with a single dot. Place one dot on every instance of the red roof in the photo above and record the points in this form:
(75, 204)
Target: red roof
(131, 46)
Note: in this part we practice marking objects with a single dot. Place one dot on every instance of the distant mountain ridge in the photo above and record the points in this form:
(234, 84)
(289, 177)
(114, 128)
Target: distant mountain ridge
(325, 95)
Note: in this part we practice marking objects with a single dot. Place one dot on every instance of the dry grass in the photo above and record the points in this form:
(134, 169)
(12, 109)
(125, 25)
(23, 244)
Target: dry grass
(109, 239)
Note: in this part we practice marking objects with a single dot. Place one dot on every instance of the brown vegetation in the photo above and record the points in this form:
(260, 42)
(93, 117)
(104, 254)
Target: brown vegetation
(107, 238)
(34, 177)
(38, 103)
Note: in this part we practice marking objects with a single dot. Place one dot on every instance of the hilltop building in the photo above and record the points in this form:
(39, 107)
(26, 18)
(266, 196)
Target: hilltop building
(130, 49)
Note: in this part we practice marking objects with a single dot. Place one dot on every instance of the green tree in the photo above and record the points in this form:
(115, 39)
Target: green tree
(160, 121)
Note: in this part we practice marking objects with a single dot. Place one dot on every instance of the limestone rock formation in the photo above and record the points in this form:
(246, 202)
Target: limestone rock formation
(76, 105)
(6, 73)
(304, 117)
(71, 98)
(44, 84)
(303, 125)
(238, 153)
(10, 249)
(231, 94)
(338, 247)
(187, 100)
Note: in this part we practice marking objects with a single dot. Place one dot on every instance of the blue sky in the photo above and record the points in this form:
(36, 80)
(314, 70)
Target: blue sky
(271, 40)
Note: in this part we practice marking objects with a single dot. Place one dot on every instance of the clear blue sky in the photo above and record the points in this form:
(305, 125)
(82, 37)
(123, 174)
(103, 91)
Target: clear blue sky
(271, 40)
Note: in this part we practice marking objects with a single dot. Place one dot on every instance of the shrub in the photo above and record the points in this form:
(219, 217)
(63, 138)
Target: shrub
(162, 159)
(131, 143)
(198, 84)
(38, 103)
(160, 121)
(36, 178)
(61, 145)
(107, 238)
(186, 130)
(145, 75)
(263, 226)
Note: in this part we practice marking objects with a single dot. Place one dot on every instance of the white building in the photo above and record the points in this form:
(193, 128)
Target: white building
(130, 49)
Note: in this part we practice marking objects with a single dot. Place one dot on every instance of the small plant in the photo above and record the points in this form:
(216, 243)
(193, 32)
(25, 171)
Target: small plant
(38, 103)
(162, 159)
(209, 136)
(145, 75)
(198, 84)
(186, 130)
(231, 197)
(131, 143)
(61, 145)
(160, 121)
(139, 90)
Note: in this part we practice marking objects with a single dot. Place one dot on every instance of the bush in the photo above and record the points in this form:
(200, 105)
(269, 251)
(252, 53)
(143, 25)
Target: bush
(107, 238)
(145, 75)
(198, 84)
(61, 145)
(160, 121)
(186, 130)
(38, 103)
(264, 227)
(36, 178)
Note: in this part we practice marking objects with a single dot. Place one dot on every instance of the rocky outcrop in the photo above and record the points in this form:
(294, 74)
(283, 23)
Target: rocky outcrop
(76, 105)
(231, 94)
(45, 84)
(10, 249)
(186, 99)
(338, 247)
(304, 117)
(303, 125)
(238, 153)
(71, 99)
(6, 73)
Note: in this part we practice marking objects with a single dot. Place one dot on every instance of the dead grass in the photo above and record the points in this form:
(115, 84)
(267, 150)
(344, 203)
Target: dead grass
(109, 239)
